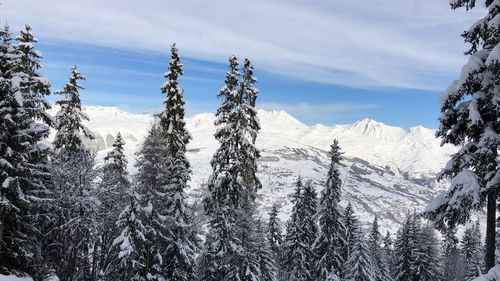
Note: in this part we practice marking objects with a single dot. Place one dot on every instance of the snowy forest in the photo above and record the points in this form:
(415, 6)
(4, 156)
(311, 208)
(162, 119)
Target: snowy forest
(66, 216)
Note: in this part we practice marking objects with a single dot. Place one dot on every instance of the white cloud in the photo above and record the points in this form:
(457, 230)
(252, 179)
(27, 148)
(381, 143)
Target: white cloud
(375, 43)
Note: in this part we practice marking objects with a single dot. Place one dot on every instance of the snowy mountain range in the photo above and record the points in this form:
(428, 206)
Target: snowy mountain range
(388, 171)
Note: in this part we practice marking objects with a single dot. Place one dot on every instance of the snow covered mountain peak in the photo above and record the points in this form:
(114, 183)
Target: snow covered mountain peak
(272, 120)
(388, 170)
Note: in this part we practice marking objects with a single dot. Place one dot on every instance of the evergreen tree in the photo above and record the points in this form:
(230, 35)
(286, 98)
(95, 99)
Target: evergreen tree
(451, 255)
(33, 85)
(152, 186)
(115, 185)
(469, 119)
(265, 255)
(351, 225)
(74, 173)
(298, 256)
(404, 249)
(70, 117)
(24, 171)
(250, 121)
(380, 266)
(184, 243)
(232, 186)
(472, 252)
(244, 264)
(388, 253)
(224, 188)
(274, 233)
(427, 262)
(129, 243)
(328, 247)
(359, 266)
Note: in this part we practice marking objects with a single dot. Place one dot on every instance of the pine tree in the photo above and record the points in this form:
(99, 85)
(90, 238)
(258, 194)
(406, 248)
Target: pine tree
(24, 175)
(74, 173)
(388, 253)
(469, 119)
(115, 185)
(298, 256)
(70, 117)
(359, 266)
(404, 248)
(33, 86)
(451, 255)
(274, 233)
(244, 264)
(472, 252)
(250, 121)
(232, 186)
(380, 266)
(328, 247)
(129, 243)
(427, 262)
(152, 186)
(265, 255)
(184, 244)
(351, 225)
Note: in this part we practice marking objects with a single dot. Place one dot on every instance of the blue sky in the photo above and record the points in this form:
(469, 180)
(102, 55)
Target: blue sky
(322, 62)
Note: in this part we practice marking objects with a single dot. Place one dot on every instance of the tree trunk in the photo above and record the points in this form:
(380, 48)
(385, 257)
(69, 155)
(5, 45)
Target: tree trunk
(489, 258)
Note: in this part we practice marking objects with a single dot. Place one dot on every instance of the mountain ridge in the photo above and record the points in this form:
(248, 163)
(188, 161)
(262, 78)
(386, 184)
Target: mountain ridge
(387, 171)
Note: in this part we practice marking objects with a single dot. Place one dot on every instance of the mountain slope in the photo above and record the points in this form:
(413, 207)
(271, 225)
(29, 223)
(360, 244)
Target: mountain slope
(388, 171)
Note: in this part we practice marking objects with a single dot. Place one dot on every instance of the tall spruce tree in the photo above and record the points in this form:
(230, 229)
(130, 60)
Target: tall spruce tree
(351, 225)
(115, 185)
(379, 263)
(416, 252)
(274, 232)
(129, 244)
(328, 247)
(298, 256)
(250, 121)
(152, 179)
(472, 252)
(359, 266)
(14, 149)
(388, 253)
(404, 248)
(470, 119)
(224, 189)
(74, 173)
(184, 243)
(233, 183)
(427, 261)
(24, 175)
(265, 255)
(452, 270)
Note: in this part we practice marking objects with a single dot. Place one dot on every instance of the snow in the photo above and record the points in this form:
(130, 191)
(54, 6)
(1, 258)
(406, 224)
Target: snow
(391, 160)
(492, 275)
(495, 53)
(15, 278)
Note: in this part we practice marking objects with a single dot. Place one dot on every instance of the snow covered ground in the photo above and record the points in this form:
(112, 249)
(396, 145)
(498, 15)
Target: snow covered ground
(388, 172)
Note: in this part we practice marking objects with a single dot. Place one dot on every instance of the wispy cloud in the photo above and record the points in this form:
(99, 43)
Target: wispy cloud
(377, 43)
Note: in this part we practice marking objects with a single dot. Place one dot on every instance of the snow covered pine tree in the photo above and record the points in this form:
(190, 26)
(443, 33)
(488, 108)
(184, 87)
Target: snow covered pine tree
(330, 242)
(24, 172)
(183, 244)
(73, 170)
(471, 119)
(229, 251)
(298, 255)
(114, 186)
